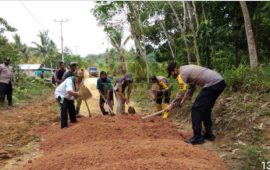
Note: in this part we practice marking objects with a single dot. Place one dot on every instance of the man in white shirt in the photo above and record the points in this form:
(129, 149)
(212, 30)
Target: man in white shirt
(65, 94)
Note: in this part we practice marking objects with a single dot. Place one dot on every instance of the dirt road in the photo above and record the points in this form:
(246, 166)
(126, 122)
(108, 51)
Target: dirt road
(91, 83)
(119, 142)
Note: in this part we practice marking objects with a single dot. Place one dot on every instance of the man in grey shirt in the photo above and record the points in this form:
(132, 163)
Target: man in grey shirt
(6, 81)
(212, 84)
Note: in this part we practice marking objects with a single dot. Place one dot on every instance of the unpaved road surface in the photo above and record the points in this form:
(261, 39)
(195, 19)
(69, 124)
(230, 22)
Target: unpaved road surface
(31, 135)
(120, 142)
(91, 84)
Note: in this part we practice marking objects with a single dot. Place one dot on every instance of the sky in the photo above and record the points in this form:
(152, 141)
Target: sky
(81, 30)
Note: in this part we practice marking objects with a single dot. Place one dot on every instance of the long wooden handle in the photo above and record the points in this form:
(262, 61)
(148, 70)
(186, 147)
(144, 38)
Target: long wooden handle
(87, 108)
(153, 114)
(160, 112)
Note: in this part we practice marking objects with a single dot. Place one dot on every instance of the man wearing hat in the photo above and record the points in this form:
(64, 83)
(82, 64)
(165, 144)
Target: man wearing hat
(7, 80)
(120, 87)
(163, 91)
(212, 83)
(65, 94)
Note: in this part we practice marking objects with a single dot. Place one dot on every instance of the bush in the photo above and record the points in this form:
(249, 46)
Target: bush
(245, 79)
(27, 87)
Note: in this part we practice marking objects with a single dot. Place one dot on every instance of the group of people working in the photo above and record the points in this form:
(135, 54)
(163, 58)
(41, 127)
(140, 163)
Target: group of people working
(187, 78)
(69, 82)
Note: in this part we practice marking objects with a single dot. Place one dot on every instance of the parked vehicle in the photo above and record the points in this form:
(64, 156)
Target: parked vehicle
(93, 71)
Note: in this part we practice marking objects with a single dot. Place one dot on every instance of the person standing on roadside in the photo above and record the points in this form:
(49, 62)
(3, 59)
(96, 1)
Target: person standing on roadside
(212, 83)
(59, 73)
(7, 80)
(72, 69)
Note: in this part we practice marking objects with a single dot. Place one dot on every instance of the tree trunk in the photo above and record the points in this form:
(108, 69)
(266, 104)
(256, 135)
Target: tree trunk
(250, 37)
(197, 53)
(164, 31)
(123, 62)
(134, 20)
(203, 12)
(257, 32)
(196, 15)
(183, 33)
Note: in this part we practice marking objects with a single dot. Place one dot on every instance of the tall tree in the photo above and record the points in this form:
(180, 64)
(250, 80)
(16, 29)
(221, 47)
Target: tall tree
(196, 47)
(183, 32)
(23, 49)
(46, 48)
(250, 36)
(118, 42)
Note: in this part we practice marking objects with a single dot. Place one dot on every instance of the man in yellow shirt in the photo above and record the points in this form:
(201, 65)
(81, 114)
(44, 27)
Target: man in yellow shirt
(212, 83)
(164, 91)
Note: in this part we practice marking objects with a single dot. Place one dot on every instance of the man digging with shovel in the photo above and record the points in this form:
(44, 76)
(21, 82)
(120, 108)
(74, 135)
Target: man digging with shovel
(163, 91)
(212, 83)
(120, 87)
(104, 87)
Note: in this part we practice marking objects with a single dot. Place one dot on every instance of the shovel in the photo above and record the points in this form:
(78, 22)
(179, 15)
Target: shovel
(85, 94)
(131, 110)
(160, 112)
(106, 102)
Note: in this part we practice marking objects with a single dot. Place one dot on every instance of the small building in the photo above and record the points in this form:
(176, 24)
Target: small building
(35, 69)
(30, 69)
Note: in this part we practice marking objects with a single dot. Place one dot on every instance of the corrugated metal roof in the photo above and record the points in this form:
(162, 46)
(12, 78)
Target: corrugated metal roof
(29, 66)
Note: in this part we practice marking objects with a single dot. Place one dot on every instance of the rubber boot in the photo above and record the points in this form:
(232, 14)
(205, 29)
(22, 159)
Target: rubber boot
(165, 114)
(158, 107)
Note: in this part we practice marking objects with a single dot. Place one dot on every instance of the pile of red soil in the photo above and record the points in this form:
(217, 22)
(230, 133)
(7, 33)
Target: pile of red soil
(120, 142)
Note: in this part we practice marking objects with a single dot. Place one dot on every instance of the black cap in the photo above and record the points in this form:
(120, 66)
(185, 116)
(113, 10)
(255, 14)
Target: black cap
(103, 73)
(171, 68)
(153, 78)
(7, 59)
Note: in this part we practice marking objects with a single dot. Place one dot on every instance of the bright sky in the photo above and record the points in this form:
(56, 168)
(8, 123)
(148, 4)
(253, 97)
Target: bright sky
(81, 29)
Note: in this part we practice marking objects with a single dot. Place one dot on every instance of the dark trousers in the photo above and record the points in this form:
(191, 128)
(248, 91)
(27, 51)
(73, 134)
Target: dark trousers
(202, 108)
(6, 90)
(67, 106)
(102, 102)
(166, 95)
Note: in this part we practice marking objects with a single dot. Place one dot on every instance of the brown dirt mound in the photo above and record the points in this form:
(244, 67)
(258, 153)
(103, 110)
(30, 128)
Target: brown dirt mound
(120, 142)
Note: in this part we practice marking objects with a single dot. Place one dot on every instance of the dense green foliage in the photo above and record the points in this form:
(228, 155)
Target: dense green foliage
(29, 87)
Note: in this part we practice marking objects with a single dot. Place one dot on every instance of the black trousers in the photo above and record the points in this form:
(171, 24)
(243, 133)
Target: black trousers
(166, 95)
(67, 106)
(202, 108)
(6, 90)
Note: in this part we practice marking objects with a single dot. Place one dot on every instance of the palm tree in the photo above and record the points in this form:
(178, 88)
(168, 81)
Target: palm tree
(23, 49)
(117, 41)
(46, 48)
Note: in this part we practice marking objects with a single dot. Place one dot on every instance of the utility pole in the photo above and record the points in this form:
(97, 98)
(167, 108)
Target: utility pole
(62, 46)
(76, 47)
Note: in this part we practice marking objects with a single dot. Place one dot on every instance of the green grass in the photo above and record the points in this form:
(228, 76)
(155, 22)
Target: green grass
(253, 156)
(28, 87)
